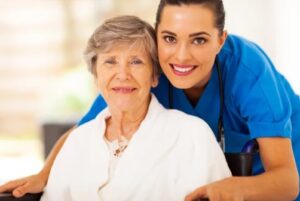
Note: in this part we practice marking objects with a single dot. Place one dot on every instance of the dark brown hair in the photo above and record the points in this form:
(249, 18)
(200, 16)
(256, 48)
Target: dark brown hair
(216, 6)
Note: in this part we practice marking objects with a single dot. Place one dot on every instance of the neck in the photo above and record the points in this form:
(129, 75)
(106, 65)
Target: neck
(125, 123)
(194, 93)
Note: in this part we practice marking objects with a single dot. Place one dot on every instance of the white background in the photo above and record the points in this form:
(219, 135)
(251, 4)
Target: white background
(274, 25)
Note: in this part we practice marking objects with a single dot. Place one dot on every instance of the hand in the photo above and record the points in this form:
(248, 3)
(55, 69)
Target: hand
(19, 187)
(224, 190)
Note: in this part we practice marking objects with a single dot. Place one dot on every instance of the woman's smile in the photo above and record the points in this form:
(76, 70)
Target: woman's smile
(125, 77)
(188, 43)
(124, 90)
(182, 69)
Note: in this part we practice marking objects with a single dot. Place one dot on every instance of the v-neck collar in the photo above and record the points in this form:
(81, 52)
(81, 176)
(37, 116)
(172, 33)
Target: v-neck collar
(208, 105)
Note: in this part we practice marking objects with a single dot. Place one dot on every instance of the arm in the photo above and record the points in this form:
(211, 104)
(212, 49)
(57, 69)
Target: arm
(98, 105)
(35, 183)
(280, 181)
(44, 173)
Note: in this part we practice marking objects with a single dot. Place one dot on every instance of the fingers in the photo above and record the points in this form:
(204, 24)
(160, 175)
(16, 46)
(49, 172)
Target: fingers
(213, 194)
(19, 187)
(21, 190)
(11, 185)
(198, 193)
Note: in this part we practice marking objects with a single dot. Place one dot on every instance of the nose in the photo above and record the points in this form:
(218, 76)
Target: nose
(124, 72)
(183, 52)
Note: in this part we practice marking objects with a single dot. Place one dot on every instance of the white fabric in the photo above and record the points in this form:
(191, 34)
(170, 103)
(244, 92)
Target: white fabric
(170, 155)
(113, 161)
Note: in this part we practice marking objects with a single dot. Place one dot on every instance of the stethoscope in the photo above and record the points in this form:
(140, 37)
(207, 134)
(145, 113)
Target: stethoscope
(251, 145)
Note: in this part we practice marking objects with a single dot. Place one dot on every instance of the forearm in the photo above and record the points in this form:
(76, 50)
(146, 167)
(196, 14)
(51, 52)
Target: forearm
(277, 184)
(280, 181)
(44, 173)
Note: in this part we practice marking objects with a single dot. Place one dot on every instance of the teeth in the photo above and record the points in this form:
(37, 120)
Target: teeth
(183, 70)
(124, 89)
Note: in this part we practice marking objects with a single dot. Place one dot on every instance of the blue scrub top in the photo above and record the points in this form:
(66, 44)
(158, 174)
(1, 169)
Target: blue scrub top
(258, 101)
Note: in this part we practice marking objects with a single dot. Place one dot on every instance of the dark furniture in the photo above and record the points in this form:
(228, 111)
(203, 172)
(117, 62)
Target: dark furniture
(240, 164)
(51, 132)
(27, 197)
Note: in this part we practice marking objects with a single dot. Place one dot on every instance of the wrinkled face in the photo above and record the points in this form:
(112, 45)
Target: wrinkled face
(188, 43)
(124, 77)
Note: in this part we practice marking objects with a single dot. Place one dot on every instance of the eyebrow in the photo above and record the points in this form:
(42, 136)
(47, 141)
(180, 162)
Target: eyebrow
(190, 35)
(199, 33)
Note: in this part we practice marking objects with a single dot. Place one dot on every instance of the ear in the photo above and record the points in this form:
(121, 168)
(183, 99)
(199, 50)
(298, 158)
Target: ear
(155, 81)
(222, 39)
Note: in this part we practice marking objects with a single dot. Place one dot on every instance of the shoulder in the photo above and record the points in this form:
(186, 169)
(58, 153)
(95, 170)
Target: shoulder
(186, 119)
(197, 144)
(234, 44)
(242, 54)
(244, 65)
(188, 127)
(98, 105)
(175, 118)
(161, 91)
(87, 131)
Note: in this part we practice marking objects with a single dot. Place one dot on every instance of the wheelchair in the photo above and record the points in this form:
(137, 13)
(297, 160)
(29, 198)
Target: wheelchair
(240, 164)
(27, 197)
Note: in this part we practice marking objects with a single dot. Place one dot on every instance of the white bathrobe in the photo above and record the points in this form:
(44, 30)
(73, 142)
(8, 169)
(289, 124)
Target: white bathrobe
(170, 155)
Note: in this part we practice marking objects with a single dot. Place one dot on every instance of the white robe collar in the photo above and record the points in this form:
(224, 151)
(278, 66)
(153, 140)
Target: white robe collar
(130, 170)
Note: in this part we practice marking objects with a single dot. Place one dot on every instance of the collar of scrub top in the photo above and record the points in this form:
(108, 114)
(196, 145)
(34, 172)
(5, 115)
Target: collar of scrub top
(220, 134)
(251, 146)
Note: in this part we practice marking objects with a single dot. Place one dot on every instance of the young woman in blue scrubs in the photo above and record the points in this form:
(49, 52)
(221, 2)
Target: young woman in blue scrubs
(258, 102)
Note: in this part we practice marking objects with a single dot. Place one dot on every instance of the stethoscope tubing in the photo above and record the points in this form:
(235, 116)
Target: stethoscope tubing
(251, 146)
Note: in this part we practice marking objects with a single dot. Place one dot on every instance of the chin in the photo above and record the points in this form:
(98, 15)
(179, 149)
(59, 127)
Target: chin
(124, 107)
(182, 85)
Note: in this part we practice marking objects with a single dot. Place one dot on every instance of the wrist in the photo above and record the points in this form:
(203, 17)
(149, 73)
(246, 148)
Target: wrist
(43, 175)
(247, 186)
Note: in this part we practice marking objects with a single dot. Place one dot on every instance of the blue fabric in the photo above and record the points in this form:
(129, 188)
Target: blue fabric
(98, 105)
(258, 101)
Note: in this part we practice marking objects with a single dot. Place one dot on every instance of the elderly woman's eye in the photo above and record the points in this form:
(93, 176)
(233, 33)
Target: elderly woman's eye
(110, 61)
(136, 61)
(169, 39)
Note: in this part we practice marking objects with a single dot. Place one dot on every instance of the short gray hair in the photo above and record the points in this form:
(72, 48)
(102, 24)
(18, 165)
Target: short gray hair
(121, 29)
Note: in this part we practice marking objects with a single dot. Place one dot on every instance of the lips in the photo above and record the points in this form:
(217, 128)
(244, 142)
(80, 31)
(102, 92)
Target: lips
(182, 69)
(124, 90)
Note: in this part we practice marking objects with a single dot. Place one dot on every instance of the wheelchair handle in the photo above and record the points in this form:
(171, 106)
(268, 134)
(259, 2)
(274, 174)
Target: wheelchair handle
(250, 147)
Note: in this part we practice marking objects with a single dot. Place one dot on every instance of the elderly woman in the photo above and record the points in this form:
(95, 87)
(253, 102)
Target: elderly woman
(134, 150)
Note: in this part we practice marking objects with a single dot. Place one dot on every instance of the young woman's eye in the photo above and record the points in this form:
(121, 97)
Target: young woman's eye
(136, 61)
(199, 41)
(169, 39)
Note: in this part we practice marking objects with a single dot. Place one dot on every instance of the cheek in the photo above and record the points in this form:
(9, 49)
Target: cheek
(102, 80)
(214, 50)
(146, 80)
(163, 51)
(100, 84)
(205, 55)
(164, 54)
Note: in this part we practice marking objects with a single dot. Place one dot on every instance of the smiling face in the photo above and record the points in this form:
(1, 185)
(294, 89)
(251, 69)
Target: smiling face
(188, 42)
(124, 76)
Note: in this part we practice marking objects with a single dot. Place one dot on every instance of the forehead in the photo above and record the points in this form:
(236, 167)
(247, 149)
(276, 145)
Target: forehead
(137, 47)
(184, 17)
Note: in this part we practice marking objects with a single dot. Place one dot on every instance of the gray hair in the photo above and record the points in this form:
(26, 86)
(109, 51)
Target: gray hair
(121, 29)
